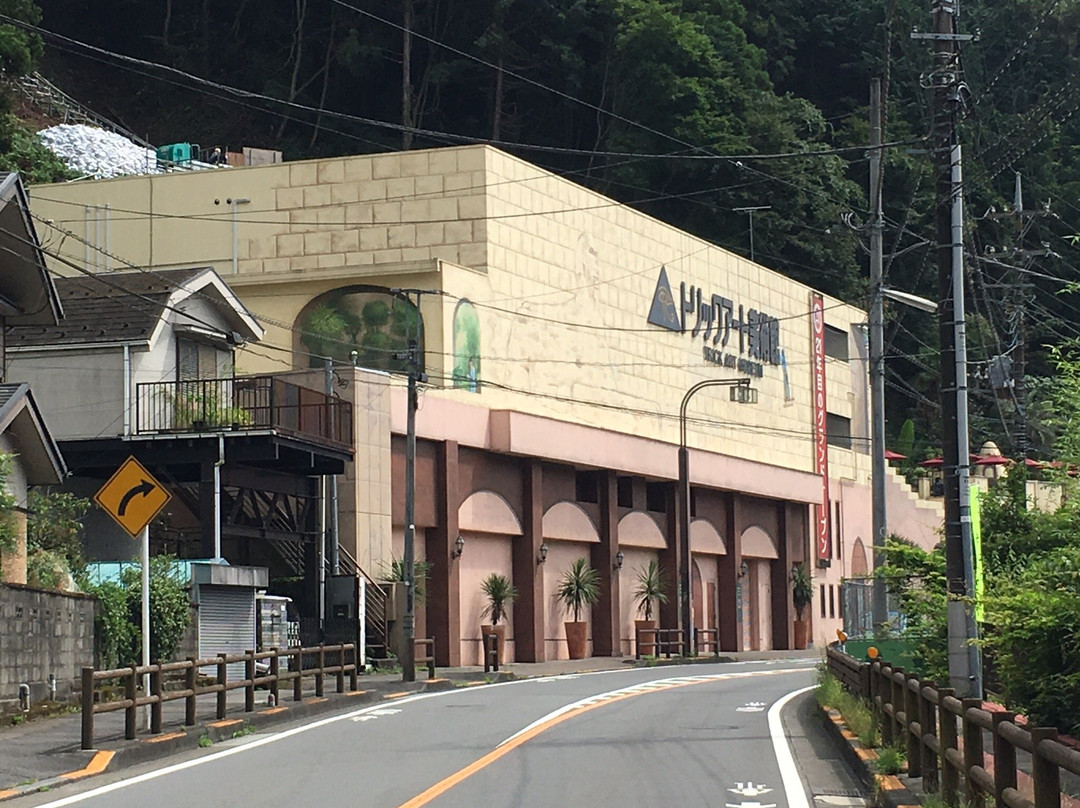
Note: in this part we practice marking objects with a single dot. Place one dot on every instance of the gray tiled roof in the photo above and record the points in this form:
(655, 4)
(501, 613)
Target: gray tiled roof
(7, 391)
(117, 307)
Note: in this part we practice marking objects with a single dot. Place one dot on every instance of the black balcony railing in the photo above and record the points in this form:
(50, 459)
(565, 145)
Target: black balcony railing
(243, 403)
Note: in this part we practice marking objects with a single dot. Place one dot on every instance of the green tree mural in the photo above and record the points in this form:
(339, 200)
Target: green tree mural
(466, 347)
(362, 319)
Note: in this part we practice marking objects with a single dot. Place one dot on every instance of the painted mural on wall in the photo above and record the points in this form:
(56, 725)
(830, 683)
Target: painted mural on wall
(365, 325)
(466, 347)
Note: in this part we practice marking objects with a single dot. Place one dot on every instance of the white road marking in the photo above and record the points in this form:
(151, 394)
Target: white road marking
(751, 707)
(74, 799)
(645, 687)
(789, 775)
(749, 789)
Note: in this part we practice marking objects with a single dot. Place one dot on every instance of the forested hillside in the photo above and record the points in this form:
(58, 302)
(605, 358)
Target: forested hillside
(683, 108)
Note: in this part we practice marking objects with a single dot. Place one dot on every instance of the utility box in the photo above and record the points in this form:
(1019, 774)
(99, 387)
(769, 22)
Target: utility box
(174, 154)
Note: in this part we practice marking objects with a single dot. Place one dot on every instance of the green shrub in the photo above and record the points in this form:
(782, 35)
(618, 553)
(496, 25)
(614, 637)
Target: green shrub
(891, 760)
(119, 619)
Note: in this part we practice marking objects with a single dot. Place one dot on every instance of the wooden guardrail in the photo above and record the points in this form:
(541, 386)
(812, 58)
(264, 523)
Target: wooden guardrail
(707, 639)
(425, 656)
(660, 640)
(943, 736)
(491, 653)
(343, 656)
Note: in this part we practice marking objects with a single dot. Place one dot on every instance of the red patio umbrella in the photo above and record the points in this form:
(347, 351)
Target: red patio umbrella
(933, 462)
(993, 460)
(890, 455)
(1034, 464)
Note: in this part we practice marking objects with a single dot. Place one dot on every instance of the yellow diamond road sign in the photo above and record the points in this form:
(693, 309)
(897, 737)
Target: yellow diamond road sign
(132, 496)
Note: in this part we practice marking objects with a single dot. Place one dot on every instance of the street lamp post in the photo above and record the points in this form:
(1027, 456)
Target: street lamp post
(743, 393)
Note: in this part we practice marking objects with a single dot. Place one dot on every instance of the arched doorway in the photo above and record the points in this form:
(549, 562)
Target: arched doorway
(489, 526)
(759, 551)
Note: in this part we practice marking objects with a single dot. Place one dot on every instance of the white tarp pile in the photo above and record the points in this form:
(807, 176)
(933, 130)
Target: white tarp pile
(98, 153)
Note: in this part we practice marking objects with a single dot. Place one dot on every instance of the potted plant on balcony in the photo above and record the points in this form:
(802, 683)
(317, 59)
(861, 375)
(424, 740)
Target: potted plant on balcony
(650, 588)
(802, 593)
(500, 593)
(578, 588)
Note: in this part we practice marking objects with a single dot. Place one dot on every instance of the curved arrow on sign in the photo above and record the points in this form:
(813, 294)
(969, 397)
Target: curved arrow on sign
(144, 487)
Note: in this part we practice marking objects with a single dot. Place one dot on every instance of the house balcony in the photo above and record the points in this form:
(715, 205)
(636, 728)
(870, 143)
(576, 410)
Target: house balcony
(245, 404)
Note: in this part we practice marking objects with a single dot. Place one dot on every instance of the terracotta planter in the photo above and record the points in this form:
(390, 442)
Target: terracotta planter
(577, 639)
(500, 632)
(646, 645)
(802, 634)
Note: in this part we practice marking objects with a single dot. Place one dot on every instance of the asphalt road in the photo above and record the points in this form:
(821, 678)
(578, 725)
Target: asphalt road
(701, 735)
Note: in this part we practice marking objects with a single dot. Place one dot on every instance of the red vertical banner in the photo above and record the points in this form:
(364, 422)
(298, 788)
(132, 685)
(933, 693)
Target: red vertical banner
(822, 532)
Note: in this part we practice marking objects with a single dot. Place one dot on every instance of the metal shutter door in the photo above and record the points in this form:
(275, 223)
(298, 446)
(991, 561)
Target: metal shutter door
(226, 624)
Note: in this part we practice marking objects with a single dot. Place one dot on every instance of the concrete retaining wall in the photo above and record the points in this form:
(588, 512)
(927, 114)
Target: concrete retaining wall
(43, 632)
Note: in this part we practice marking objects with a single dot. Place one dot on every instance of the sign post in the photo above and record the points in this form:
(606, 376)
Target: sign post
(133, 497)
(146, 616)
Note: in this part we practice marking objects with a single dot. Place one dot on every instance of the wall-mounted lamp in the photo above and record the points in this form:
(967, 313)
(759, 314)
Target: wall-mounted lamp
(795, 570)
(459, 545)
(744, 568)
(619, 560)
(542, 557)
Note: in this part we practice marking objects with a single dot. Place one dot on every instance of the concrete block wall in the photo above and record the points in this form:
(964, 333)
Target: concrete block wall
(43, 632)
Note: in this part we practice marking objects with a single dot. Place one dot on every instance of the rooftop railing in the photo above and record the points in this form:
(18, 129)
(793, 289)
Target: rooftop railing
(242, 403)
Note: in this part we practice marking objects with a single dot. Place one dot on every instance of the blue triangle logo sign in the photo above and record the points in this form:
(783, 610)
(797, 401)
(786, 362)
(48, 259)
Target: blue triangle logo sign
(663, 312)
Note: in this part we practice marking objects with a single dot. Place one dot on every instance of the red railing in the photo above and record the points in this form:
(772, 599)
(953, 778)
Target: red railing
(242, 403)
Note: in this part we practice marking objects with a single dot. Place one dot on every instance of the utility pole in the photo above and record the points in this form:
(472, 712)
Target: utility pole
(877, 355)
(965, 669)
(411, 357)
(1016, 305)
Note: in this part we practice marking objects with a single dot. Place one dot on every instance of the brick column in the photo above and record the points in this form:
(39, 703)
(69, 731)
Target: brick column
(443, 598)
(529, 575)
(605, 614)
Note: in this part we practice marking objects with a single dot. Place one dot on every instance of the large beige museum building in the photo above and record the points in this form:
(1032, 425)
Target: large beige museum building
(560, 333)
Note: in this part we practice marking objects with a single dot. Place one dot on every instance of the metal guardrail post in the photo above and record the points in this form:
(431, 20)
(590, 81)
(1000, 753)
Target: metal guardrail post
(222, 681)
(355, 672)
(191, 678)
(87, 708)
(1004, 760)
(1046, 775)
(319, 672)
(950, 775)
(973, 751)
(155, 707)
(249, 678)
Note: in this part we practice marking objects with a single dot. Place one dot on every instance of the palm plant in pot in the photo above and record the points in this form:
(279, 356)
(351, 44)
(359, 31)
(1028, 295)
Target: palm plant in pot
(579, 588)
(802, 593)
(650, 588)
(500, 593)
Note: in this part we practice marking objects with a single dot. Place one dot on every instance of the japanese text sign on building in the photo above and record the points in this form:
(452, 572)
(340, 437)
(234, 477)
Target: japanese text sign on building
(733, 335)
(132, 496)
(822, 530)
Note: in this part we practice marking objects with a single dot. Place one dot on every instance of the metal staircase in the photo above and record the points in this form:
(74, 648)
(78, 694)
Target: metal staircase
(376, 604)
(53, 102)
